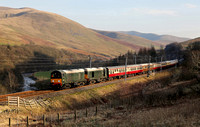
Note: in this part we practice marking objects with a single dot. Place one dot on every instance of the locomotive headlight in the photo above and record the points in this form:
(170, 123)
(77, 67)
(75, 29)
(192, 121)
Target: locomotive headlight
(58, 80)
(52, 80)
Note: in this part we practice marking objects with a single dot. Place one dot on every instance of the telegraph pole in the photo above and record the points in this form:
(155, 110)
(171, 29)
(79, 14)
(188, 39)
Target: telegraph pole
(156, 59)
(148, 72)
(161, 63)
(90, 58)
(135, 59)
(176, 63)
(126, 66)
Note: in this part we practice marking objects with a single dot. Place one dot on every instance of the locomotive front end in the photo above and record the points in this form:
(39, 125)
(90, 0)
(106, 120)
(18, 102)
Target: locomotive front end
(56, 79)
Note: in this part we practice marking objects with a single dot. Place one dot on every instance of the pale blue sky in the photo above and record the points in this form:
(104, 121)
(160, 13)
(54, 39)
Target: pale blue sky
(173, 17)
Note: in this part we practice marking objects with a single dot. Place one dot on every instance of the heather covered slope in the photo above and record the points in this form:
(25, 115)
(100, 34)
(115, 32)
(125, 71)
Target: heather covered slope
(186, 43)
(30, 26)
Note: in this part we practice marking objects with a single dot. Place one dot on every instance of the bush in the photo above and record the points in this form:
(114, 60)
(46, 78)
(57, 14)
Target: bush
(187, 74)
(3, 90)
(10, 79)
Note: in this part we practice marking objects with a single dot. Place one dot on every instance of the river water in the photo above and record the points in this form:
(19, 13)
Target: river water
(27, 82)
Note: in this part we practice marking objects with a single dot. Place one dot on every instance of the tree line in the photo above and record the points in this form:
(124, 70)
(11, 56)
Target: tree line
(144, 55)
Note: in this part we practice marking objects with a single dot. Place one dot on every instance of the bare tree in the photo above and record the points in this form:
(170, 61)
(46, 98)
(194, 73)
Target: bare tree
(195, 59)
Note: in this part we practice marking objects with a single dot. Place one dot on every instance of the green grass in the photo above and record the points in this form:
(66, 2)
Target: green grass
(42, 75)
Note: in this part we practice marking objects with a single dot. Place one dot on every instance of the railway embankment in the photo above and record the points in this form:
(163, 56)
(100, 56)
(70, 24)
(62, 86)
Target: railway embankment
(155, 90)
(161, 100)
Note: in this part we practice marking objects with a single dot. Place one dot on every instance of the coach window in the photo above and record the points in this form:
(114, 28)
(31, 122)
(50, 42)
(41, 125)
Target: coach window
(93, 74)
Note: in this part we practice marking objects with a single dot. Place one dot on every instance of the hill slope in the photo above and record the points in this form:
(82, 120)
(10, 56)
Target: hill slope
(186, 43)
(165, 39)
(130, 39)
(30, 26)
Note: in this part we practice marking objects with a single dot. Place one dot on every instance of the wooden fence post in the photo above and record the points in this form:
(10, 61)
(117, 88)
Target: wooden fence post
(75, 115)
(86, 113)
(58, 118)
(96, 111)
(17, 101)
(27, 122)
(8, 100)
(44, 120)
(9, 122)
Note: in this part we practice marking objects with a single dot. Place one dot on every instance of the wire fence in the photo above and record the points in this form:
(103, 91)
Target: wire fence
(72, 116)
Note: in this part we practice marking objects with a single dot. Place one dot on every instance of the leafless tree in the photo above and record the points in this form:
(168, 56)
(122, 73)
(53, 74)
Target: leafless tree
(195, 59)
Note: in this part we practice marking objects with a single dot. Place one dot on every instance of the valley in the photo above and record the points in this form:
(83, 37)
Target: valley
(37, 42)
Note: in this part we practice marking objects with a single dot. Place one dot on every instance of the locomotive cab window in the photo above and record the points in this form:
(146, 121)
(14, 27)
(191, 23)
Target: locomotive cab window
(56, 74)
(93, 74)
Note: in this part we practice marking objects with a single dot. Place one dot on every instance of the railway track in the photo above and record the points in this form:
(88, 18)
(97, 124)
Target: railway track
(24, 94)
(51, 93)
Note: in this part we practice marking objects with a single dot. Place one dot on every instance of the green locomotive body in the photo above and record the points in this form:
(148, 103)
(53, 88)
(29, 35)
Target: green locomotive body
(94, 75)
(68, 78)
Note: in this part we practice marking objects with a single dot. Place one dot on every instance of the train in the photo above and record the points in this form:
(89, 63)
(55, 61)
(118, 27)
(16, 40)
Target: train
(84, 76)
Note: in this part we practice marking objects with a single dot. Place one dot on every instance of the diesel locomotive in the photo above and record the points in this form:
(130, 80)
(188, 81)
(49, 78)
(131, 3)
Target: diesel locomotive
(84, 76)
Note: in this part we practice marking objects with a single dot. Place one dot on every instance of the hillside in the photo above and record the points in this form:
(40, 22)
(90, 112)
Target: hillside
(186, 43)
(130, 39)
(29, 26)
(165, 39)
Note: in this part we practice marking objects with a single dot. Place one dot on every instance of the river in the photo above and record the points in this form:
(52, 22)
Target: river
(27, 82)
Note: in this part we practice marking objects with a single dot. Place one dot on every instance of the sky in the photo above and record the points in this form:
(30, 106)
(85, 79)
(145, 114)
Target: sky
(173, 17)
